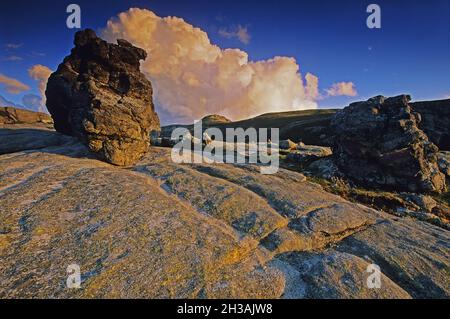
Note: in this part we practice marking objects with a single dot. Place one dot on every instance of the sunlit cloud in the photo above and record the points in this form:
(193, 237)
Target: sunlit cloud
(241, 33)
(312, 86)
(342, 88)
(40, 73)
(12, 85)
(193, 77)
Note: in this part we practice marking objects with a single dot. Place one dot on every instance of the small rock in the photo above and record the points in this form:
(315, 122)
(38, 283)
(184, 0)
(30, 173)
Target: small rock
(287, 145)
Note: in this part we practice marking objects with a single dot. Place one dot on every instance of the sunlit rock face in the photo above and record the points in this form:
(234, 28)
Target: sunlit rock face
(99, 95)
(12, 115)
(378, 143)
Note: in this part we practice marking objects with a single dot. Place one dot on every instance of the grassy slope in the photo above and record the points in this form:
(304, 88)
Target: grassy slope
(306, 126)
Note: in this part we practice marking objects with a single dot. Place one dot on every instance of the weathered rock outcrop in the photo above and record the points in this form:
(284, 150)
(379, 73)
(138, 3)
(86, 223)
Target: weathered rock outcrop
(378, 143)
(166, 230)
(99, 95)
(435, 121)
(12, 115)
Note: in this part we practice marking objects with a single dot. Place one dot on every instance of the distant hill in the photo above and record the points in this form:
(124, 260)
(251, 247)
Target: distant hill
(308, 126)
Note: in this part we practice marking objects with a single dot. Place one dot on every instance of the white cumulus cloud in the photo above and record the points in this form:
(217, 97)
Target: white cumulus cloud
(40, 73)
(342, 88)
(193, 77)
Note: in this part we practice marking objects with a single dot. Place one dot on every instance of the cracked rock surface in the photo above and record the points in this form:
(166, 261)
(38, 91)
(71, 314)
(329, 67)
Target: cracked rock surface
(164, 230)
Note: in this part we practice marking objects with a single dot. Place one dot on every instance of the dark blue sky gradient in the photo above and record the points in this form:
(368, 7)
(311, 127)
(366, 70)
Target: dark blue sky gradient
(409, 54)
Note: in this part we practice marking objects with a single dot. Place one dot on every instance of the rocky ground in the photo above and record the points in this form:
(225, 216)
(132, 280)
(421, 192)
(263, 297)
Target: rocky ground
(12, 115)
(164, 230)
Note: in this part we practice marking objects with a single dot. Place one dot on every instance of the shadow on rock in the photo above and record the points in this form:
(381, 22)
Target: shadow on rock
(13, 140)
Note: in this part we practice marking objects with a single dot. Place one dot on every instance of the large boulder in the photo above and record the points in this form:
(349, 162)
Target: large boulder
(378, 143)
(99, 95)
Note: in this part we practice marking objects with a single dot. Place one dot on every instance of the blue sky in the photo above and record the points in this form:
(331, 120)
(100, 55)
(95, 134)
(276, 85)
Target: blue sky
(409, 54)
